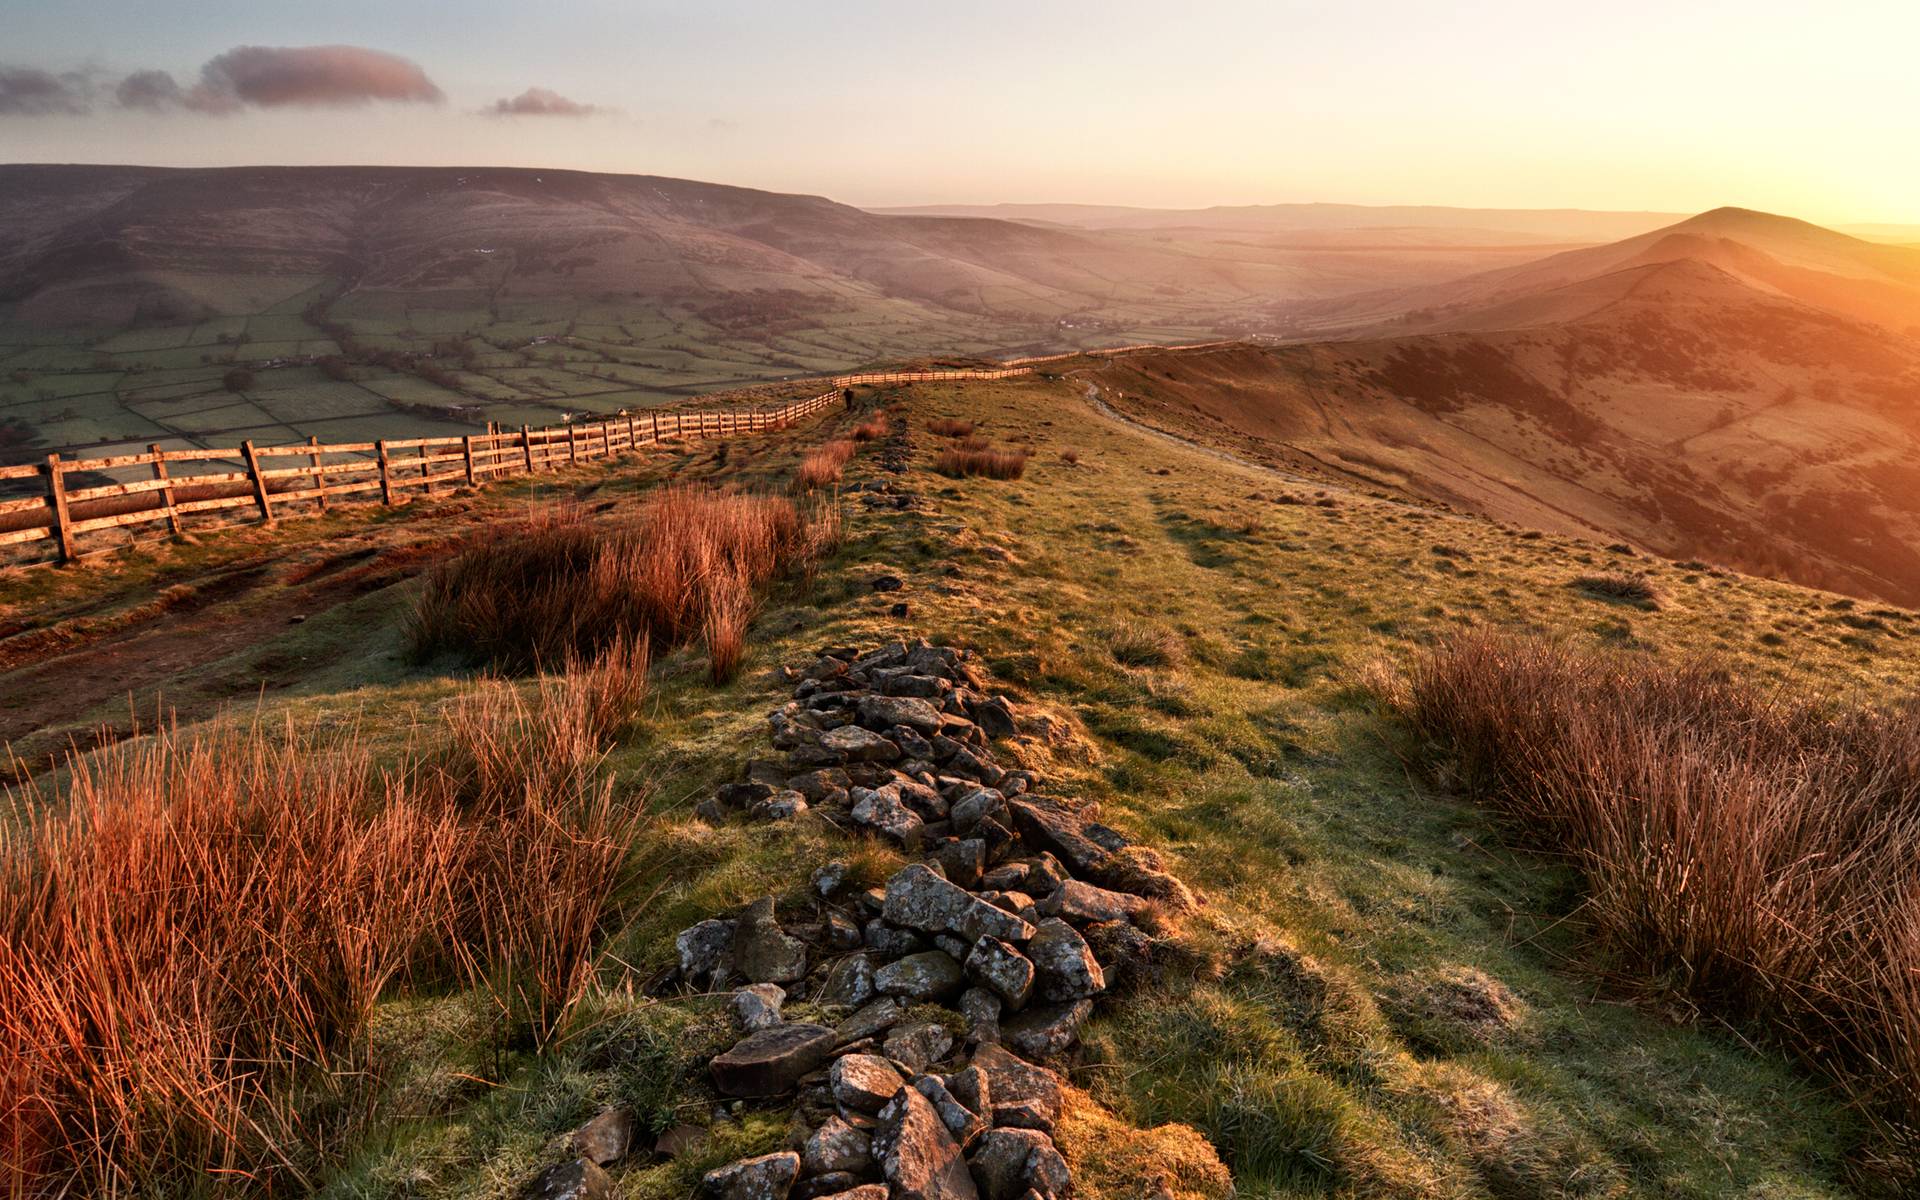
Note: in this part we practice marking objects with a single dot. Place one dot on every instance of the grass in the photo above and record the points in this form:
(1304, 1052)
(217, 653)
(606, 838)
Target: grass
(822, 466)
(1380, 998)
(870, 430)
(1752, 853)
(950, 427)
(1637, 590)
(973, 457)
(684, 566)
(198, 927)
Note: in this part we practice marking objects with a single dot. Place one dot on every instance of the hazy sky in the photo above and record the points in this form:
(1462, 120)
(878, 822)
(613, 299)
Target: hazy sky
(1811, 109)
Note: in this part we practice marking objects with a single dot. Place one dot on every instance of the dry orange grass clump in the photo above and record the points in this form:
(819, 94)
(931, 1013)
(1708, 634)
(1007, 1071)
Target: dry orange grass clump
(687, 566)
(949, 427)
(194, 930)
(821, 467)
(1758, 853)
(966, 459)
(871, 430)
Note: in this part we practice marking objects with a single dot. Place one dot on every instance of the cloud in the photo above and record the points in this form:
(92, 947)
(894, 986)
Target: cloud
(283, 77)
(31, 92)
(314, 76)
(540, 102)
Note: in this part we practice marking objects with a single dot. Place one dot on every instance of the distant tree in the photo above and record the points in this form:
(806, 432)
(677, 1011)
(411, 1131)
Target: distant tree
(239, 379)
(335, 368)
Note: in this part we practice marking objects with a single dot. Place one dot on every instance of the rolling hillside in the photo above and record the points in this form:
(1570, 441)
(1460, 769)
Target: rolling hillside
(1657, 392)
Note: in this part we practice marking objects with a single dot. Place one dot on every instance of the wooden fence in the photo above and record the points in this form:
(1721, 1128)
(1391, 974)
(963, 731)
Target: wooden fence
(271, 480)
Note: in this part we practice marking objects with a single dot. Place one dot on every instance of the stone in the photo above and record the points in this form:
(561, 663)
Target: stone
(890, 941)
(904, 681)
(837, 1146)
(833, 1183)
(918, 1045)
(997, 966)
(863, 1082)
(1046, 1031)
(678, 1141)
(768, 1177)
(1046, 874)
(970, 808)
(962, 861)
(706, 952)
(764, 952)
(917, 1155)
(922, 799)
(999, 1162)
(912, 744)
(887, 583)
(606, 1138)
(1057, 830)
(962, 1122)
(859, 745)
(829, 880)
(711, 810)
(979, 766)
(981, 1007)
(1064, 966)
(1007, 877)
(882, 809)
(780, 806)
(866, 1191)
(918, 898)
(1024, 1095)
(993, 715)
(884, 712)
(1083, 902)
(972, 1088)
(1018, 903)
(849, 983)
(929, 975)
(952, 946)
(576, 1180)
(816, 786)
(758, 1007)
(841, 932)
(873, 1019)
(743, 795)
(1047, 1172)
(771, 1062)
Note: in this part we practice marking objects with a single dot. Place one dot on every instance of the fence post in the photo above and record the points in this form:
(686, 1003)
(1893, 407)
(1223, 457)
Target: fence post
(166, 493)
(466, 443)
(319, 476)
(573, 445)
(386, 476)
(526, 446)
(259, 480)
(654, 417)
(633, 437)
(426, 467)
(57, 502)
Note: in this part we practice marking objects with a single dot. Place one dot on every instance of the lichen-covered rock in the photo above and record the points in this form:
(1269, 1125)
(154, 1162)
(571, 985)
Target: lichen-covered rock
(884, 712)
(962, 860)
(1046, 1031)
(706, 952)
(981, 1007)
(837, 1146)
(576, 1180)
(917, 1154)
(962, 1122)
(919, 898)
(849, 983)
(768, 1177)
(771, 1062)
(968, 811)
(918, 1044)
(1024, 1095)
(780, 806)
(1083, 902)
(1064, 966)
(998, 966)
(882, 810)
(999, 1162)
(757, 1007)
(871, 1021)
(930, 975)
(764, 952)
(606, 1138)
(863, 1082)
(855, 744)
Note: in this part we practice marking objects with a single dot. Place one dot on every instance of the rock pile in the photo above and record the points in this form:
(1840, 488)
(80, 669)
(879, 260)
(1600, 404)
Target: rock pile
(955, 989)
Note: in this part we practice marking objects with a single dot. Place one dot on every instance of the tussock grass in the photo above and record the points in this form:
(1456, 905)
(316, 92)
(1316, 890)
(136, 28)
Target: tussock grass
(195, 928)
(823, 465)
(1756, 854)
(686, 567)
(1619, 585)
(960, 460)
(1134, 644)
(949, 427)
(870, 430)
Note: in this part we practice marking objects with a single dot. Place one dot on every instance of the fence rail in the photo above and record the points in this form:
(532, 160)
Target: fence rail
(313, 475)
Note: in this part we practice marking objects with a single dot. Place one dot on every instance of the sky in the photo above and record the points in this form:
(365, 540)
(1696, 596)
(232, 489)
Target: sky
(1685, 105)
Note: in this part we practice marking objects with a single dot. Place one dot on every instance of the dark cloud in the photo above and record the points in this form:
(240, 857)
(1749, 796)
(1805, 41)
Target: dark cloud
(31, 92)
(540, 102)
(154, 91)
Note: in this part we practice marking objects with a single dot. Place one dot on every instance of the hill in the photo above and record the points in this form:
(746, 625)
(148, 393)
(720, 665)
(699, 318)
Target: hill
(1379, 997)
(1492, 225)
